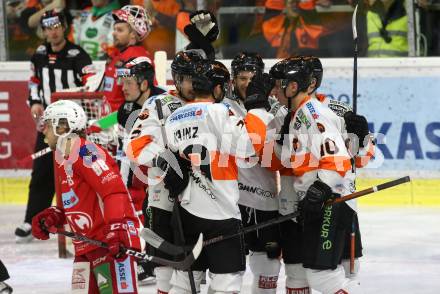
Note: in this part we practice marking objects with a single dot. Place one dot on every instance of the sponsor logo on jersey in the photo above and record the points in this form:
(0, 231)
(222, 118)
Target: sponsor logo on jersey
(338, 109)
(103, 278)
(131, 228)
(312, 110)
(70, 199)
(110, 176)
(302, 117)
(326, 227)
(202, 186)
(108, 83)
(99, 166)
(267, 282)
(173, 106)
(256, 190)
(91, 32)
(78, 278)
(191, 113)
(72, 52)
(80, 222)
(297, 124)
(124, 278)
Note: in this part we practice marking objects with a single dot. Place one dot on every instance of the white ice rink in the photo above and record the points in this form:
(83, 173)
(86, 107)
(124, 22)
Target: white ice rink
(401, 254)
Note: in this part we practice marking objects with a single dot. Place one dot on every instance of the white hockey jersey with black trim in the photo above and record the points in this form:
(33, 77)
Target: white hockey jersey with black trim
(212, 139)
(146, 143)
(315, 150)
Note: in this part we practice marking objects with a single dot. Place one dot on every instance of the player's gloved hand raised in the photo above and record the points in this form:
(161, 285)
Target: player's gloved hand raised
(316, 196)
(269, 83)
(176, 171)
(256, 93)
(358, 125)
(47, 222)
(284, 131)
(117, 237)
(206, 23)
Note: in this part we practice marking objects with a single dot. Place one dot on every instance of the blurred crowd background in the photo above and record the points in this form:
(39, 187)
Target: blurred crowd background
(274, 28)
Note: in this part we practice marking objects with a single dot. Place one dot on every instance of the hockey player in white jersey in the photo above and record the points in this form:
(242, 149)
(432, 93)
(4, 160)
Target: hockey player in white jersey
(357, 125)
(137, 79)
(93, 28)
(257, 184)
(207, 136)
(146, 143)
(313, 146)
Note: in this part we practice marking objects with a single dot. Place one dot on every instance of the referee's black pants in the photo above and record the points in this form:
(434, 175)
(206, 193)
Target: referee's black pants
(42, 185)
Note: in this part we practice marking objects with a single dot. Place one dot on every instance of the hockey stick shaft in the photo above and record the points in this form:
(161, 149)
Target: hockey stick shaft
(176, 203)
(355, 57)
(159, 243)
(184, 264)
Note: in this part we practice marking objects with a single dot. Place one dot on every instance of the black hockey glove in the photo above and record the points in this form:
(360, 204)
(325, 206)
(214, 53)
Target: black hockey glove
(316, 196)
(358, 125)
(285, 128)
(256, 94)
(177, 172)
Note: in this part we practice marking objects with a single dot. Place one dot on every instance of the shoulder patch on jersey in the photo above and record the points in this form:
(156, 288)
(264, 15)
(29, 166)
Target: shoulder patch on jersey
(173, 106)
(302, 117)
(41, 49)
(340, 108)
(73, 52)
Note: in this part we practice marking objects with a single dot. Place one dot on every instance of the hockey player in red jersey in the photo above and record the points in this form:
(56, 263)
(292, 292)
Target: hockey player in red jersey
(96, 204)
(132, 25)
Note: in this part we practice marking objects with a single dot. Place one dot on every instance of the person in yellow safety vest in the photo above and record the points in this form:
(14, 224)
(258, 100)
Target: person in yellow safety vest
(387, 29)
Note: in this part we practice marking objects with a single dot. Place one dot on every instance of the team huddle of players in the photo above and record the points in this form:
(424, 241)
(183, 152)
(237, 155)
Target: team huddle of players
(222, 151)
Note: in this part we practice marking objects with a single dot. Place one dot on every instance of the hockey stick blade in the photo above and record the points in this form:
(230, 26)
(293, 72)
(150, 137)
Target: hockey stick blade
(167, 247)
(180, 265)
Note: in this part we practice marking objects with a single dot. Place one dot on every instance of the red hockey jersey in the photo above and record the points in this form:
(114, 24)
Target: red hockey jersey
(93, 194)
(113, 90)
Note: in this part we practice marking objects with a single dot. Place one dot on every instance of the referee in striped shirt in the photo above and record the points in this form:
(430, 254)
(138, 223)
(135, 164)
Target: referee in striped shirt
(57, 64)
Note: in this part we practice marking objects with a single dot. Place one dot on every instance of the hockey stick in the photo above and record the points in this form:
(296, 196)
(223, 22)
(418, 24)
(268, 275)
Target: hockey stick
(159, 243)
(176, 203)
(182, 265)
(355, 66)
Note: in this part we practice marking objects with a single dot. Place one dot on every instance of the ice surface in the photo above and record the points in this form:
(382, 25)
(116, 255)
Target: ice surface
(401, 254)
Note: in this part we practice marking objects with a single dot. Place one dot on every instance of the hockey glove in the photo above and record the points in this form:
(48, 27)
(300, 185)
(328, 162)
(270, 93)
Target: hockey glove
(47, 222)
(206, 23)
(176, 171)
(316, 196)
(256, 94)
(269, 83)
(117, 237)
(358, 125)
(285, 128)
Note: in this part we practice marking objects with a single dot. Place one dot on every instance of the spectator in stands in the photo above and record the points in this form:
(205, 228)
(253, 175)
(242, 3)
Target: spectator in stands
(387, 28)
(430, 27)
(296, 27)
(93, 28)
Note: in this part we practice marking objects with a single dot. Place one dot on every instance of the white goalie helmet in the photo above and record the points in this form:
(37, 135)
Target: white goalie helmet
(65, 110)
(137, 17)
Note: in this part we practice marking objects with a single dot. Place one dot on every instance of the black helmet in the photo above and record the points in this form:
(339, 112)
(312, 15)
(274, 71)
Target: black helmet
(183, 62)
(52, 18)
(247, 61)
(298, 70)
(317, 70)
(277, 70)
(139, 67)
(209, 73)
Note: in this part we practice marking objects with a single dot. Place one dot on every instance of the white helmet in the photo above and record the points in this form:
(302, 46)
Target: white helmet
(68, 110)
(137, 17)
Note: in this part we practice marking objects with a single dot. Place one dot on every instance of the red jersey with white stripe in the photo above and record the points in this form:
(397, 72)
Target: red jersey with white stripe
(112, 89)
(93, 194)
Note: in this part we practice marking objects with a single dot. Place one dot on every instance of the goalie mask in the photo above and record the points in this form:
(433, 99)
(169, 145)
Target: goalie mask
(64, 113)
(136, 17)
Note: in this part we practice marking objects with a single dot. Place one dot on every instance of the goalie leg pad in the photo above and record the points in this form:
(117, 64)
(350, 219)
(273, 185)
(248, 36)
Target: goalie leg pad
(180, 282)
(331, 281)
(225, 283)
(265, 273)
(163, 278)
